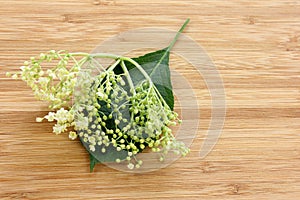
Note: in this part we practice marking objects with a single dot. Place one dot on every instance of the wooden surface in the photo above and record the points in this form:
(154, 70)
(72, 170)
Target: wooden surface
(254, 44)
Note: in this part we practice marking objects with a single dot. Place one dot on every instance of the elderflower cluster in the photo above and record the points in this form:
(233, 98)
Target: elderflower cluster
(54, 85)
(108, 111)
(64, 119)
(127, 119)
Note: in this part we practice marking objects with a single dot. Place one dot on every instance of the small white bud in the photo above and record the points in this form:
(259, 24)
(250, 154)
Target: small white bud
(130, 166)
(39, 119)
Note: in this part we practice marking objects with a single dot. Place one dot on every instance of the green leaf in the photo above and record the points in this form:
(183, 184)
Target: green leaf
(156, 64)
(93, 162)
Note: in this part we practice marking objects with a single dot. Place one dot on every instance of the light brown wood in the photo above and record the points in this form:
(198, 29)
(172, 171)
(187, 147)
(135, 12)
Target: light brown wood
(256, 47)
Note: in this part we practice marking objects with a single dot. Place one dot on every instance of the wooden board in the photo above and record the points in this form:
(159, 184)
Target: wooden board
(256, 48)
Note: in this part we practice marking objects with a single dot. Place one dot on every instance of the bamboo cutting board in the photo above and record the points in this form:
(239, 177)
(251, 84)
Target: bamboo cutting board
(254, 44)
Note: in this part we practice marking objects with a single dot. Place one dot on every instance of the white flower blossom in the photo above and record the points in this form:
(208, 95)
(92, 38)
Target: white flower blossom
(82, 123)
(61, 115)
(50, 117)
(39, 119)
(72, 135)
(130, 166)
(92, 147)
(59, 128)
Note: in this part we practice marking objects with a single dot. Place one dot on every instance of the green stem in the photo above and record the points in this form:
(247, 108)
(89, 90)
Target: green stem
(139, 67)
(177, 35)
(98, 65)
(167, 50)
(80, 62)
(96, 55)
(113, 66)
(160, 97)
(128, 77)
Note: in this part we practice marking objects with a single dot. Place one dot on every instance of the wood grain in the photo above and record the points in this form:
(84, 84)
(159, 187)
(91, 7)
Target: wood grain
(256, 47)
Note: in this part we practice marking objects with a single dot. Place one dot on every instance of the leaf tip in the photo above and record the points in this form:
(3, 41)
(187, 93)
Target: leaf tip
(93, 162)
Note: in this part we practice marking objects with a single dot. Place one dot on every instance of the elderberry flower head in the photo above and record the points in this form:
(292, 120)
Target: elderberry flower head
(109, 111)
(126, 119)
